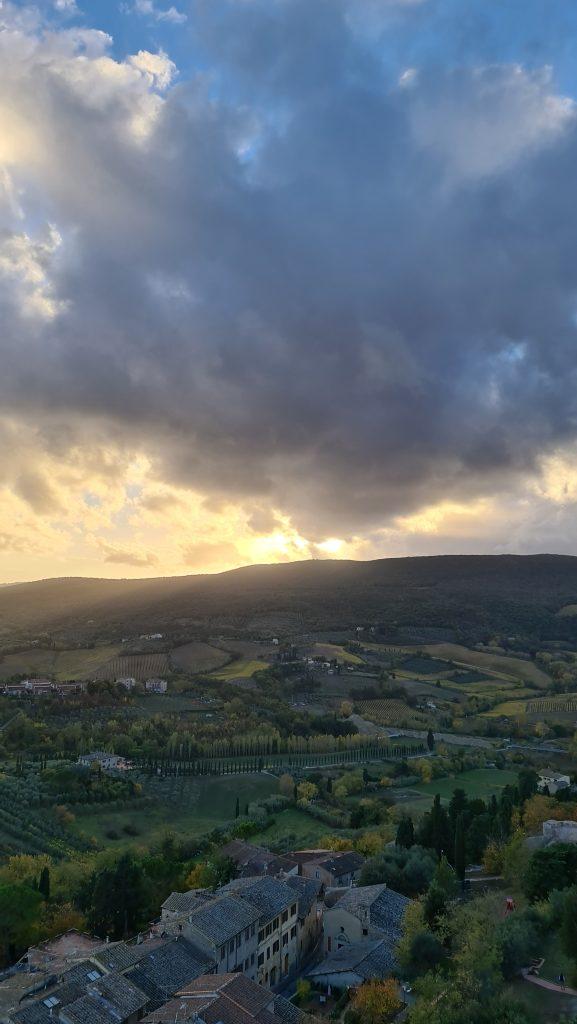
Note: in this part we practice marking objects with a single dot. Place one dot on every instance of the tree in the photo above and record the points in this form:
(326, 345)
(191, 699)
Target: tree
(346, 709)
(237, 808)
(569, 923)
(435, 831)
(44, 883)
(527, 783)
(286, 785)
(431, 740)
(377, 1001)
(405, 832)
(552, 868)
(435, 906)
(307, 791)
(493, 858)
(20, 908)
(460, 857)
(114, 898)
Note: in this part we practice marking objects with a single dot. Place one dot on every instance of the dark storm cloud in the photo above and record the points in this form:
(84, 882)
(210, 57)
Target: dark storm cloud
(311, 287)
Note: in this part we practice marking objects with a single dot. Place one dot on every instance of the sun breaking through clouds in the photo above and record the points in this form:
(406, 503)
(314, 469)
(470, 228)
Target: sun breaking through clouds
(285, 279)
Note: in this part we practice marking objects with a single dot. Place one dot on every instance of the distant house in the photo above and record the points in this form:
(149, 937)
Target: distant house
(553, 832)
(253, 860)
(350, 966)
(104, 760)
(29, 688)
(156, 685)
(128, 682)
(151, 636)
(329, 868)
(552, 781)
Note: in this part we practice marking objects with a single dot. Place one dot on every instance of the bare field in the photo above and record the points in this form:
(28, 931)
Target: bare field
(75, 664)
(198, 657)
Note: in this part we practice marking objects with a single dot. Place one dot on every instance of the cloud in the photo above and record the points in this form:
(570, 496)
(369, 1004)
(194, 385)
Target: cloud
(290, 281)
(123, 556)
(168, 14)
(204, 554)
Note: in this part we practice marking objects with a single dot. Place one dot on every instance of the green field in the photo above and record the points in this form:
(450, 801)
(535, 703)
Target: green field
(334, 652)
(294, 828)
(187, 806)
(63, 665)
(241, 669)
(479, 782)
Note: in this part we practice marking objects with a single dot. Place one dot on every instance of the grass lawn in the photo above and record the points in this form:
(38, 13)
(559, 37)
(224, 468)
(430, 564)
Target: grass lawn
(296, 828)
(480, 782)
(335, 651)
(241, 669)
(495, 664)
(186, 806)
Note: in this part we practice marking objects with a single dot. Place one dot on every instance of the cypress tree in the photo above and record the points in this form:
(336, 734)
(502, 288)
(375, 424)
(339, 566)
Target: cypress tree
(460, 856)
(237, 808)
(44, 883)
(405, 833)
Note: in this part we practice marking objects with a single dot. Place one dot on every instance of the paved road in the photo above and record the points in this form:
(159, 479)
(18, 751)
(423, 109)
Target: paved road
(370, 729)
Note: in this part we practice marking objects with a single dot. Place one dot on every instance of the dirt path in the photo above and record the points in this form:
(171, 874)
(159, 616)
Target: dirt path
(550, 985)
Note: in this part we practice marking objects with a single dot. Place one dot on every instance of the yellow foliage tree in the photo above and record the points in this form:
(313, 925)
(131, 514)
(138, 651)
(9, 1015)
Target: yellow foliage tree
(23, 867)
(200, 877)
(346, 709)
(413, 924)
(370, 844)
(307, 791)
(541, 808)
(493, 858)
(59, 919)
(286, 785)
(336, 843)
(376, 1002)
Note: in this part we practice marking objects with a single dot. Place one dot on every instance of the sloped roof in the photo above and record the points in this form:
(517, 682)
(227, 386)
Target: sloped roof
(367, 959)
(307, 890)
(384, 906)
(163, 971)
(185, 902)
(224, 917)
(269, 895)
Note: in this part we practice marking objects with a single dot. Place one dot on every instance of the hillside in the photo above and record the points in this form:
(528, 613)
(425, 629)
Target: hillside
(471, 595)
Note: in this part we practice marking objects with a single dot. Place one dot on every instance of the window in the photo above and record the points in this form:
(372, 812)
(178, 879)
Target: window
(293, 931)
(253, 929)
(246, 964)
(285, 916)
(329, 944)
(365, 931)
(94, 975)
(261, 959)
(222, 952)
(52, 1001)
(261, 935)
(268, 953)
(238, 940)
(285, 939)
(231, 946)
(293, 909)
(246, 934)
(251, 959)
(276, 946)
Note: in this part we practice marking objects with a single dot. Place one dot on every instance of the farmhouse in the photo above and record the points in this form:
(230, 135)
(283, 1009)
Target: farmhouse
(253, 860)
(129, 682)
(156, 685)
(104, 760)
(552, 781)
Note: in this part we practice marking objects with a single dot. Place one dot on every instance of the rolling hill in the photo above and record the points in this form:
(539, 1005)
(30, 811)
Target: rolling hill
(468, 594)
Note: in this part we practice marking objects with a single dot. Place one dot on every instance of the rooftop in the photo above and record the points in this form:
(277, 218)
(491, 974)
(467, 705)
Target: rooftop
(269, 895)
(367, 959)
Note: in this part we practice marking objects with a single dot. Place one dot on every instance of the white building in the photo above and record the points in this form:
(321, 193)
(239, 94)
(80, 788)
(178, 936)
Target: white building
(103, 759)
(156, 685)
(128, 683)
(552, 781)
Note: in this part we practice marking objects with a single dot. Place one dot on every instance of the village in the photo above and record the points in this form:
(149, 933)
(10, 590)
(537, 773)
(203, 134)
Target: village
(249, 944)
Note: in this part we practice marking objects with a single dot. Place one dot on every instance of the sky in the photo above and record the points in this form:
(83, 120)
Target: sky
(285, 279)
